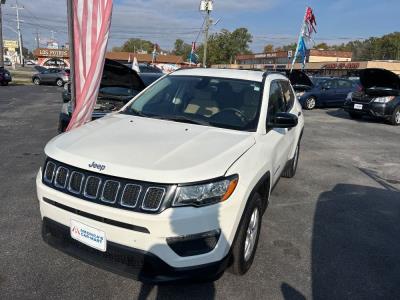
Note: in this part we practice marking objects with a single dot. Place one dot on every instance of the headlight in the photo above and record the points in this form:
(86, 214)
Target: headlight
(300, 94)
(384, 99)
(205, 194)
(349, 96)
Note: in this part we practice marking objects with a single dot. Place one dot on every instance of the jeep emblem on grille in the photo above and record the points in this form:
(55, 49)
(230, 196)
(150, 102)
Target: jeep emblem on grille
(97, 166)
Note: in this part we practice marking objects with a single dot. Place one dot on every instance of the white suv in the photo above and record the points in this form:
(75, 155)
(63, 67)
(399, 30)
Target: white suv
(175, 184)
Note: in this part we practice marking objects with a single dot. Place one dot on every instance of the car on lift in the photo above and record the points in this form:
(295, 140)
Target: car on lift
(331, 92)
(5, 76)
(119, 84)
(50, 76)
(379, 97)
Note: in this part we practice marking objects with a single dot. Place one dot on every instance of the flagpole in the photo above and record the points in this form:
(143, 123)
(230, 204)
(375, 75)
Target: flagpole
(298, 40)
(71, 51)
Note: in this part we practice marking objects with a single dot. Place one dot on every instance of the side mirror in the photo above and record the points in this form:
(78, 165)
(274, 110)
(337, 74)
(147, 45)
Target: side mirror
(283, 120)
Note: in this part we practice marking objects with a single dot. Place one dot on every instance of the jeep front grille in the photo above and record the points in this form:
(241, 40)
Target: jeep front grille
(107, 190)
(61, 177)
(152, 199)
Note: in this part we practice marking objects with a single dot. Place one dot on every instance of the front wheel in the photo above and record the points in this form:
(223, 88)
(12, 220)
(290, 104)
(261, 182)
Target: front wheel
(244, 248)
(395, 118)
(59, 82)
(36, 81)
(310, 103)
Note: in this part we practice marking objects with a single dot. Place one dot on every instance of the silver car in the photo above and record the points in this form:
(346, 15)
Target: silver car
(50, 76)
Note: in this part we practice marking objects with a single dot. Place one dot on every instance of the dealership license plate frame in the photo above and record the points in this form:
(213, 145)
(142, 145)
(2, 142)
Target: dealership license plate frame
(358, 106)
(77, 234)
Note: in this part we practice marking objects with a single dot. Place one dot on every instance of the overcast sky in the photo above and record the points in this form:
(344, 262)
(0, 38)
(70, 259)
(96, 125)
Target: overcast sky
(161, 21)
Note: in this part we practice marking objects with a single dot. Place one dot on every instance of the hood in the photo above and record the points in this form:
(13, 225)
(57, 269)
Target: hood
(118, 75)
(40, 69)
(151, 149)
(379, 78)
(299, 78)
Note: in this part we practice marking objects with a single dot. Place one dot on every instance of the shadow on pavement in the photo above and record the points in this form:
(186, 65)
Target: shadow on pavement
(356, 244)
(341, 114)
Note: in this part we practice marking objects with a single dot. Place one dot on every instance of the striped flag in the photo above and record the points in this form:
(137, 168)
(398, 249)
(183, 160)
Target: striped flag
(91, 27)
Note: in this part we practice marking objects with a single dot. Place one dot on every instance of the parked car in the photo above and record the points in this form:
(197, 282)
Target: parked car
(50, 76)
(175, 184)
(378, 98)
(5, 76)
(118, 86)
(7, 62)
(330, 92)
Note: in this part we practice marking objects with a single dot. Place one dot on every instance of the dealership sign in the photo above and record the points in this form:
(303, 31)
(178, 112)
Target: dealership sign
(52, 53)
(10, 44)
(341, 66)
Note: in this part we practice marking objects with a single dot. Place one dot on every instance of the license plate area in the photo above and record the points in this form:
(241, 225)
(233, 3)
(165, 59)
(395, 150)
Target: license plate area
(358, 106)
(88, 235)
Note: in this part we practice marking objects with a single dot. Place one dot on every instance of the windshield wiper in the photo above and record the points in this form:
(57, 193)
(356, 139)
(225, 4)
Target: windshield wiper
(183, 119)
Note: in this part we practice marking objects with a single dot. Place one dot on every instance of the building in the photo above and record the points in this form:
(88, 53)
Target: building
(318, 62)
(60, 58)
(280, 59)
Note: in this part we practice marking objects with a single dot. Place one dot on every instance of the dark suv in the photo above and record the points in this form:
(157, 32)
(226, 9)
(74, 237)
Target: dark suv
(330, 92)
(379, 96)
(5, 76)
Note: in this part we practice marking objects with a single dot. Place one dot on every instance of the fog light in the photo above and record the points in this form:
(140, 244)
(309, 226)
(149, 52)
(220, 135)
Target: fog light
(194, 244)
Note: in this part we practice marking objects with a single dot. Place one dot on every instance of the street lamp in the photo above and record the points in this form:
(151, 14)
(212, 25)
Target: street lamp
(207, 7)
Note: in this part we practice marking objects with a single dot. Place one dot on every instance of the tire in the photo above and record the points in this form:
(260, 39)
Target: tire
(291, 166)
(355, 116)
(59, 82)
(36, 81)
(310, 103)
(395, 118)
(249, 230)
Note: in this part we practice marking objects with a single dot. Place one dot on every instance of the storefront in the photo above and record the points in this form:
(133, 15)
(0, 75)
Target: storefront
(52, 58)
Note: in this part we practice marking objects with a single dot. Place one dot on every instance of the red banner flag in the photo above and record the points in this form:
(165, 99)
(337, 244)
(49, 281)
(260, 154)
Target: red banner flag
(91, 21)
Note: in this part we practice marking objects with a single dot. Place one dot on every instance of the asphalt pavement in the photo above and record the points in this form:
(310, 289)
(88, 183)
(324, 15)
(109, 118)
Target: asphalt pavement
(332, 232)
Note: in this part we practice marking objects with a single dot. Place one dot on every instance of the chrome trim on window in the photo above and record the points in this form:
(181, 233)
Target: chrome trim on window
(80, 186)
(137, 198)
(56, 184)
(161, 200)
(98, 187)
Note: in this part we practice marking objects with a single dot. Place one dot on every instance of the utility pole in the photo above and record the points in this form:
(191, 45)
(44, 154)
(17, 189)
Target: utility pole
(37, 39)
(1, 36)
(206, 6)
(21, 46)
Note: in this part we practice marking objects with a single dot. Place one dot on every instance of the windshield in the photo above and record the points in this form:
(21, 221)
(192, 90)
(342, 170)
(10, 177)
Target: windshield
(218, 102)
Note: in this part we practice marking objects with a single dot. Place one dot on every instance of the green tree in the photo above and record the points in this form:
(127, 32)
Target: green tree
(268, 48)
(182, 49)
(223, 46)
(323, 46)
(134, 45)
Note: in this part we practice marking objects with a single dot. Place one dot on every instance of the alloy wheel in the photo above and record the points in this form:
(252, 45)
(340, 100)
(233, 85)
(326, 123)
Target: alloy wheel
(397, 117)
(310, 103)
(251, 234)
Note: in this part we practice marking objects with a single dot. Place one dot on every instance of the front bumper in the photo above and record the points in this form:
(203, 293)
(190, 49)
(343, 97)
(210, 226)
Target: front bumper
(126, 261)
(373, 109)
(152, 242)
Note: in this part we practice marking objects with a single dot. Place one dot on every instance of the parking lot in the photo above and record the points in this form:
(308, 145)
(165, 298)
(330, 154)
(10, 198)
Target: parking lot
(332, 232)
